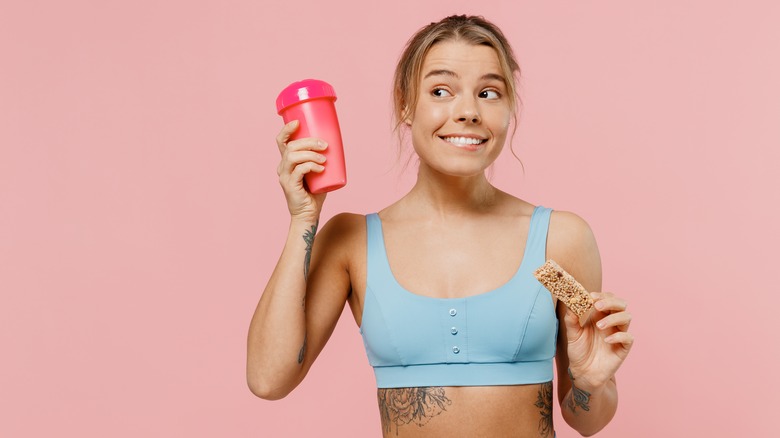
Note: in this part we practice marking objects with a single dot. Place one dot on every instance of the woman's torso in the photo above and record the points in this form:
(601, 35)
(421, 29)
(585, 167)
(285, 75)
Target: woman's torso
(464, 257)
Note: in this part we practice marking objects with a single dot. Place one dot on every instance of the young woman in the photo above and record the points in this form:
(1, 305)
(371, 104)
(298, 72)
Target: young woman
(460, 334)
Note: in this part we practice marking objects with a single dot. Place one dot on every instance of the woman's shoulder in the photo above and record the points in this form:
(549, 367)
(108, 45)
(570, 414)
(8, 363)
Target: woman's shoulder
(345, 224)
(344, 230)
(569, 231)
(568, 223)
(346, 220)
(572, 244)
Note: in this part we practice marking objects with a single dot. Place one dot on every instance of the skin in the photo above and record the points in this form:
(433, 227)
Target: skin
(452, 235)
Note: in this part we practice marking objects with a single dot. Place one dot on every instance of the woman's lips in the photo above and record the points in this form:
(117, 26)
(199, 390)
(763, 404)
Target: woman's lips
(462, 142)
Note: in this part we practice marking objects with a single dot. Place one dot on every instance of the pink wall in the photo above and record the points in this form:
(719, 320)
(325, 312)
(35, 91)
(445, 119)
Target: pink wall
(140, 214)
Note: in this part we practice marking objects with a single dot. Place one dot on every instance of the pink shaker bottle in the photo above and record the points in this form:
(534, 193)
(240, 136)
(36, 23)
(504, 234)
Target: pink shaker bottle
(311, 103)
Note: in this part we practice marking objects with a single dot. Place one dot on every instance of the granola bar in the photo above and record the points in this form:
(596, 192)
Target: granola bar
(565, 288)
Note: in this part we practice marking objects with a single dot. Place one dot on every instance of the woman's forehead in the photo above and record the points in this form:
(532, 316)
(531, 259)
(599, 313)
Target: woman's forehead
(454, 58)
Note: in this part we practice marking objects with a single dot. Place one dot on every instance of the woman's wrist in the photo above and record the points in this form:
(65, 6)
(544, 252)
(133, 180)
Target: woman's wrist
(304, 221)
(588, 387)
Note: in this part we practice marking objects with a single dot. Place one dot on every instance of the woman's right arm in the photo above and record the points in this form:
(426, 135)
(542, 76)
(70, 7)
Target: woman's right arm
(309, 286)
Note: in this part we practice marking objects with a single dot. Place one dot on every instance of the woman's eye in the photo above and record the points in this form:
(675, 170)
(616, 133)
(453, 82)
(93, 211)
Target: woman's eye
(489, 94)
(440, 92)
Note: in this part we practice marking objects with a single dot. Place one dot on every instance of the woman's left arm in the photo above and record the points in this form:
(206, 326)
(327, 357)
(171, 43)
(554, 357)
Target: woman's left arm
(587, 357)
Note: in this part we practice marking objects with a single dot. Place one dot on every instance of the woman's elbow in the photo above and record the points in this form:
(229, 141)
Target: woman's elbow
(269, 385)
(266, 391)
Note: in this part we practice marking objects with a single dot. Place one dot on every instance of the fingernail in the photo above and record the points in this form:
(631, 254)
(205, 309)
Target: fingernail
(600, 305)
(600, 324)
(321, 158)
(322, 144)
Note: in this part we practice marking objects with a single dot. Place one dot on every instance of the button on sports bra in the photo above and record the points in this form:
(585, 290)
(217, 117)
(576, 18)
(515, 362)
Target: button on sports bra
(502, 337)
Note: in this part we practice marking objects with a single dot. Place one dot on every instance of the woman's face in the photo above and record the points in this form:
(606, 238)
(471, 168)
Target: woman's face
(462, 115)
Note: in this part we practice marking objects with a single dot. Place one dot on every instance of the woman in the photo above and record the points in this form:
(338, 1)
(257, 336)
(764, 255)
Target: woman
(460, 334)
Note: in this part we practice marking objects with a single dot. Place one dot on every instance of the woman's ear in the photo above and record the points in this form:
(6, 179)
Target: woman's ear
(407, 117)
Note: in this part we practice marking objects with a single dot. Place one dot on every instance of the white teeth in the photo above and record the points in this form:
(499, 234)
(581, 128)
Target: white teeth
(462, 141)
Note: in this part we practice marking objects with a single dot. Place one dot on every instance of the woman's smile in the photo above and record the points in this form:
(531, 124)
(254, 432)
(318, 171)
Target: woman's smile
(470, 143)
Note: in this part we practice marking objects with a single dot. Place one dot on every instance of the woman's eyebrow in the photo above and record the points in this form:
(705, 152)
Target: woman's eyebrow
(443, 72)
(494, 76)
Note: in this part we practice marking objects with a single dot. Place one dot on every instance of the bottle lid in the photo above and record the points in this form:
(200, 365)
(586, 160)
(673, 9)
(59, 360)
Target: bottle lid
(302, 91)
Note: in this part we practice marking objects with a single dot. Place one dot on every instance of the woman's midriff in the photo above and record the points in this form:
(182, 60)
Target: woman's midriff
(467, 411)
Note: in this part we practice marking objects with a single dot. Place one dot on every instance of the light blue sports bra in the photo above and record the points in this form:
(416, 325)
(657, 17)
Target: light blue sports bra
(502, 337)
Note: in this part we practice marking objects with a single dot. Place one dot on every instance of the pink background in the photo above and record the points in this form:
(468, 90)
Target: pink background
(140, 214)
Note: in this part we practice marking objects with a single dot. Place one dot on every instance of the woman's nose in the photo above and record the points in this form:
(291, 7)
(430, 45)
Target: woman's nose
(473, 118)
(468, 111)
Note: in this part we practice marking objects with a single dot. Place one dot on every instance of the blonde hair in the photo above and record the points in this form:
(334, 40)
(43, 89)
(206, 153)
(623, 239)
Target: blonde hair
(472, 29)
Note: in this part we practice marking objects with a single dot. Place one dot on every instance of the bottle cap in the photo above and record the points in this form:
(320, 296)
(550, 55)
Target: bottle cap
(302, 91)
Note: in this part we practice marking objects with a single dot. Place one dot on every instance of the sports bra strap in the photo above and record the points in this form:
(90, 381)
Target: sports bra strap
(536, 245)
(377, 265)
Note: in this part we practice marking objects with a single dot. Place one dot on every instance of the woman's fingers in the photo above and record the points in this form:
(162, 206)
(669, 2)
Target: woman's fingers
(292, 159)
(292, 178)
(624, 338)
(615, 309)
(284, 135)
(306, 144)
(304, 168)
(619, 320)
(299, 157)
(298, 151)
(608, 302)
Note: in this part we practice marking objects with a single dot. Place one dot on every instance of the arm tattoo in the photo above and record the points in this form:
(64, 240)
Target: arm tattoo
(308, 237)
(303, 350)
(577, 397)
(400, 406)
(544, 402)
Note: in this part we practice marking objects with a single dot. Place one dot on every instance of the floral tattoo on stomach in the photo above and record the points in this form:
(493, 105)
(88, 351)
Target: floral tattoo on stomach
(544, 403)
(401, 406)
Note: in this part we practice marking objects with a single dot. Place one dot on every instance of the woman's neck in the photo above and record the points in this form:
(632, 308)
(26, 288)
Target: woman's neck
(442, 195)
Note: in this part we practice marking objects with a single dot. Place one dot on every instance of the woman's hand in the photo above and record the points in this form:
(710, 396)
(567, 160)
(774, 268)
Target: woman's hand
(300, 157)
(597, 350)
